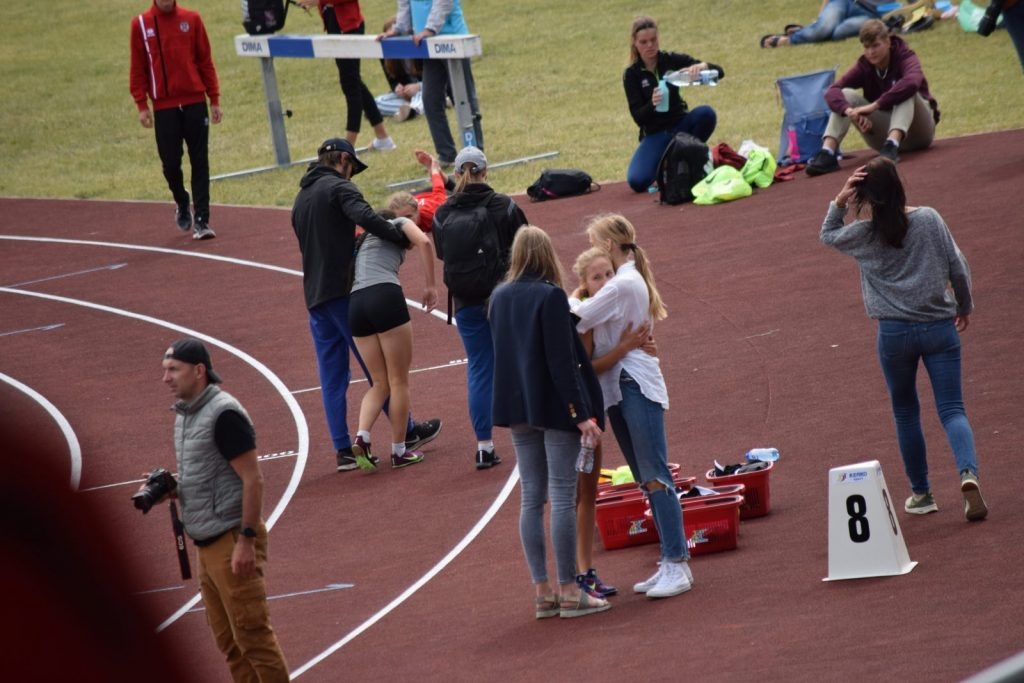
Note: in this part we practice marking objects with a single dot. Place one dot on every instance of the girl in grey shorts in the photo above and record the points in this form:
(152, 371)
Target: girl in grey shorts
(382, 331)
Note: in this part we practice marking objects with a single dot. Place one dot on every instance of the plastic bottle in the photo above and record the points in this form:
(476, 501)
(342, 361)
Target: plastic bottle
(764, 454)
(663, 103)
(709, 77)
(585, 460)
(680, 78)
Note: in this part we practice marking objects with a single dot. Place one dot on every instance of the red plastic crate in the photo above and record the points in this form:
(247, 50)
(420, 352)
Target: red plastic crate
(711, 523)
(621, 521)
(758, 492)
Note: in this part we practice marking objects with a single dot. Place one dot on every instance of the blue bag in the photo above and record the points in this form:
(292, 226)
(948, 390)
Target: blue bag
(804, 116)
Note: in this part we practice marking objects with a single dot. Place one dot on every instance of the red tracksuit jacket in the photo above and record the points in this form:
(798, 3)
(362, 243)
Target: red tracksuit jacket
(171, 62)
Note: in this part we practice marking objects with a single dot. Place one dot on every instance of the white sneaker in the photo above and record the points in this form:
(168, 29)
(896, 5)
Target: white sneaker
(673, 581)
(404, 110)
(383, 144)
(650, 583)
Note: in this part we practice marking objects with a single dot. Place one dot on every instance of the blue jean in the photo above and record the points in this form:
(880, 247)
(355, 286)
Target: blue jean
(838, 20)
(699, 122)
(639, 427)
(900, 346)
(547, 459)
(332, 341)
(475, 331)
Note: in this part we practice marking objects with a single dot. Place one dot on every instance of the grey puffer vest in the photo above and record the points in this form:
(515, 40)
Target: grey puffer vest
(209, 489)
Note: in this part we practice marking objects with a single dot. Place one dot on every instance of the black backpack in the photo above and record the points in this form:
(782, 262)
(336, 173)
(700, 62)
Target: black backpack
(561, 182)
(682, 166)
(474, 262)
(260, 17)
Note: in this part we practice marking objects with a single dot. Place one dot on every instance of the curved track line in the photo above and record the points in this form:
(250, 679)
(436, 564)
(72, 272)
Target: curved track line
(65, 427)
(437, 313)
(301, 427)
(503, 495)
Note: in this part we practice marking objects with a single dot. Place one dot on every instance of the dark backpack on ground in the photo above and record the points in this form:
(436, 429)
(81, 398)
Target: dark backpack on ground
(561, 182)
(474, 262)
(683, 165)
(260, 17)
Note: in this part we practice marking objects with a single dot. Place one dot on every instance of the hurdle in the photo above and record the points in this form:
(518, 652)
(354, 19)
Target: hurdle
(452, 48)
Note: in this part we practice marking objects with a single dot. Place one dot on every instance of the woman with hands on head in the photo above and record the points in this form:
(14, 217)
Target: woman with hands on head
(917, 284)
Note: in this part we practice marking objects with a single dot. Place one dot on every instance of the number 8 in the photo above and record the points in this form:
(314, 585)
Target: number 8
(856, 507)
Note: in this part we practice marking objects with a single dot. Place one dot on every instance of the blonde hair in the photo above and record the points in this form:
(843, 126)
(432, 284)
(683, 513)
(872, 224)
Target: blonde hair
(641, 23)
(622, 234)
(397, 200)
(583, 262)
(533, 252)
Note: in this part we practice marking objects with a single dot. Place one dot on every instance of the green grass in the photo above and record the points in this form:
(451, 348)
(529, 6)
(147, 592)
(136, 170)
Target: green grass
(549, 80)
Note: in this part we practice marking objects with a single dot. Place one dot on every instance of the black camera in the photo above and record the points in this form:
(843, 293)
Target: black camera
(987, 24)
(159, 483)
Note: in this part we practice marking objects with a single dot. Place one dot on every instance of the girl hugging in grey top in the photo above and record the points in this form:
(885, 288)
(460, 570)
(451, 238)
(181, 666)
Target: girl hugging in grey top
(377, 261)
(927, 279)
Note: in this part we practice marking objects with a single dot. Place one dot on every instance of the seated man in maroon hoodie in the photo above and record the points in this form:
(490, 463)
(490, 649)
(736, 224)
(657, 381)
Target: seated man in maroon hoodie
(885, 95)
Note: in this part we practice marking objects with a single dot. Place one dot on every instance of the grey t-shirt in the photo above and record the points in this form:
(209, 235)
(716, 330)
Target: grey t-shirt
(927, 279)
(377, 262)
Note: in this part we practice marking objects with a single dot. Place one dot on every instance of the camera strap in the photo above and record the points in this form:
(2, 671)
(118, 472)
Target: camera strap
(179, 540)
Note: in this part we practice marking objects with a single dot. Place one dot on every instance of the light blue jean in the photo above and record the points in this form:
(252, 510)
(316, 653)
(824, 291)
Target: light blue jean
(699, 122)
(838, 20)
(900, 346)
(475, 331)
(332, 340)
(639, 427)
(547, 470)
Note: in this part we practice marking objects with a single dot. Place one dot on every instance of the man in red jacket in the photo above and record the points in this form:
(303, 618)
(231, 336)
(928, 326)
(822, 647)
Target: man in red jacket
(171, 65)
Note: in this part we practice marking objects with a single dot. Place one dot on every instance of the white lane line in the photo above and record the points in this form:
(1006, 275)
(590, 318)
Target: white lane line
(41, 328)
(75, 450)
(113, 266)
(437, 313)
(503, 495)
(136, 482)
(301, 427)
(450, 364)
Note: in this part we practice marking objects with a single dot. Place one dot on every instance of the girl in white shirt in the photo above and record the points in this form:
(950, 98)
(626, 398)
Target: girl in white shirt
(634, 390)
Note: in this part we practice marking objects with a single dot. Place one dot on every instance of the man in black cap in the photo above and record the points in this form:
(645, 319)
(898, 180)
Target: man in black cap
(325, 215)
(220, 488)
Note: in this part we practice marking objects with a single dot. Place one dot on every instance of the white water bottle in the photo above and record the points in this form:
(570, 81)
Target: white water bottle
(585, 460)
(662, 105)
(763, 454)
(680, 78)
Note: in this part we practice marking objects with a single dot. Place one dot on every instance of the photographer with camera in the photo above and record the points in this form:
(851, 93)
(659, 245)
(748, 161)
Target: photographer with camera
(1013, 19)
(220, 488)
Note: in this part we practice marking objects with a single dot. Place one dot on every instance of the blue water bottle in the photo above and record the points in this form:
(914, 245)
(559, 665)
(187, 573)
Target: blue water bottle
(662, 106)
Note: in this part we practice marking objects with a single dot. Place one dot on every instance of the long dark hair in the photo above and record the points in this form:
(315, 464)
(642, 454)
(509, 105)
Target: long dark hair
(882, 191)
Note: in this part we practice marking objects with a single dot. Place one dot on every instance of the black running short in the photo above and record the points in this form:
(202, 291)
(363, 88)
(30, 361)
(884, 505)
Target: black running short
(376, 309)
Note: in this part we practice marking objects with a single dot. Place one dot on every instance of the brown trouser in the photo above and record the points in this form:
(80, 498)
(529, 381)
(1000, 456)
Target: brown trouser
(237, 612)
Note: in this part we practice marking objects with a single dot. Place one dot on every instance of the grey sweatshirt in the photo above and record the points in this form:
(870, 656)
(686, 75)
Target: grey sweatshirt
(928, 279)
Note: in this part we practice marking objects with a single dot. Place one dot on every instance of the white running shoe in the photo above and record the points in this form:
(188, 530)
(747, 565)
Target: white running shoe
(673, 581)
(383, 144)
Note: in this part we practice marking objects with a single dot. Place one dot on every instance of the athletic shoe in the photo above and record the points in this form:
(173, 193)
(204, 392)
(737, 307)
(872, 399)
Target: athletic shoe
(383, 144)
(921, 504)
(203, 231)
(365, 460)
(672, 581)
(650, 583)
(183, 217)
(486, 459)
(974, 505)
(822, 163)
(403, 113)
(346, 460)
(890, 151)
(405, 459)
(422, 433)
(594, 585)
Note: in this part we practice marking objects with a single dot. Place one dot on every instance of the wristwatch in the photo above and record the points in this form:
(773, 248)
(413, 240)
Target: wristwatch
(248, 532)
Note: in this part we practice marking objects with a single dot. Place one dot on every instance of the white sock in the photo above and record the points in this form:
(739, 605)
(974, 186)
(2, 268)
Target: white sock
(364, 434)
(485, 446)
(398, 449)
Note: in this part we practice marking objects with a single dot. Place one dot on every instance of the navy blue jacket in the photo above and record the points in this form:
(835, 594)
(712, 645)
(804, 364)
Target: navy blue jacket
(542, 374)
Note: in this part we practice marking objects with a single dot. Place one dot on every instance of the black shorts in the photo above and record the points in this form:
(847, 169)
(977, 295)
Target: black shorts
(376, 309)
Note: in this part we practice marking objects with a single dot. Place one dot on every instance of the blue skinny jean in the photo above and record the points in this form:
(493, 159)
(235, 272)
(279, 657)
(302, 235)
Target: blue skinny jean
(639, 427)
(699, 122)
(838, 20)
(332, 340)
(900, 346)
(547, 460)
(475, 331)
